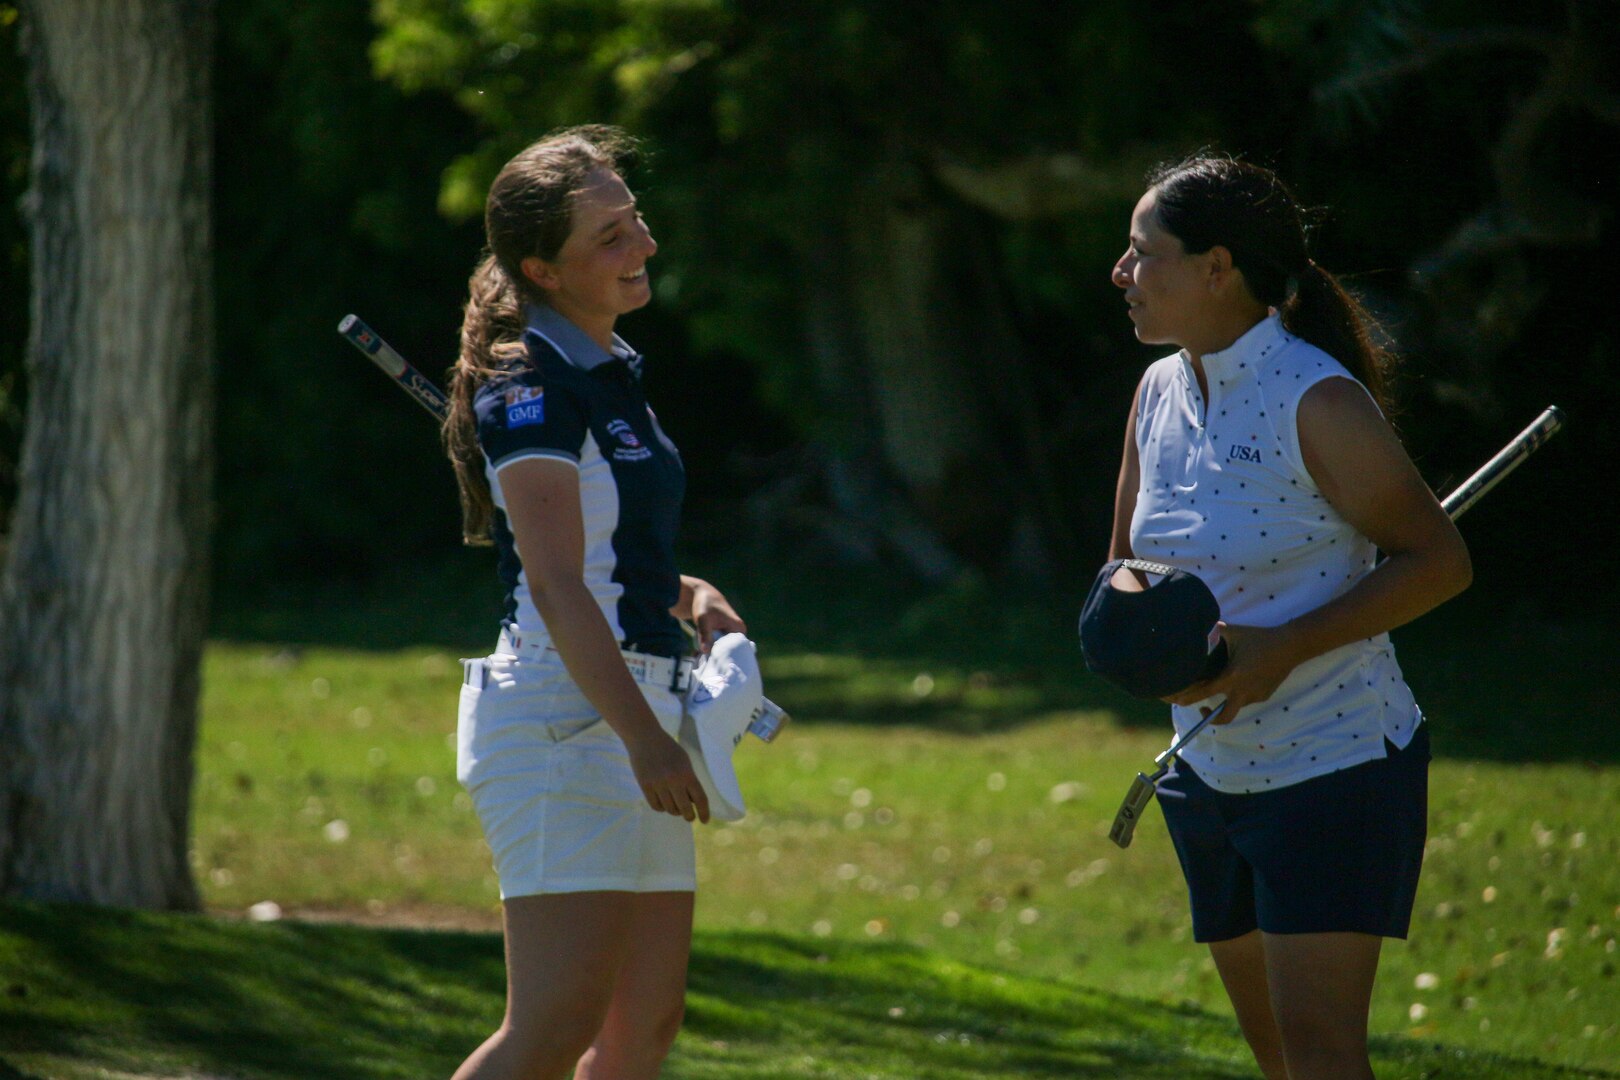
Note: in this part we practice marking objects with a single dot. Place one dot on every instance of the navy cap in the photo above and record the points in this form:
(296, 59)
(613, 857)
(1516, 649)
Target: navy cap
(1154, 642)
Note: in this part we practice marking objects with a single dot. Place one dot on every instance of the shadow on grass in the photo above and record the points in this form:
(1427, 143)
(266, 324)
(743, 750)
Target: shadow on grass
(122, 988)
(152, 994)
(883, 1002)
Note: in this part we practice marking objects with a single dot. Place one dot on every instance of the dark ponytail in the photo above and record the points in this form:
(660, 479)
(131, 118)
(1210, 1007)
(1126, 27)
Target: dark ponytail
(529, 212)
(1206, 201)
(1321, 312)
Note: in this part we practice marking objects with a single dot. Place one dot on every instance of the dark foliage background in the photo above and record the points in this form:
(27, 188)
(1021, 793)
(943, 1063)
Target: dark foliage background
(1465, 156)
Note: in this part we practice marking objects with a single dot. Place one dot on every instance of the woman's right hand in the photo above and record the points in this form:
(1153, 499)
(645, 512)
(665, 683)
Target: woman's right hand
(667, 780)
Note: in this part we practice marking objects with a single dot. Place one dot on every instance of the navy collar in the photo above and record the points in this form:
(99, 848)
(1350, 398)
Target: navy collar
(574, 344)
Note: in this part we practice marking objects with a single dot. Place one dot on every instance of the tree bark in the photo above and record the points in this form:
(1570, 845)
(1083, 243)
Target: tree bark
(103, 595)
(926, 364)
(862, 486)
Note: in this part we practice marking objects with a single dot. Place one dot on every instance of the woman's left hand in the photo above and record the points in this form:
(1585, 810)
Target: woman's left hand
(713, 614)
(1259, 658)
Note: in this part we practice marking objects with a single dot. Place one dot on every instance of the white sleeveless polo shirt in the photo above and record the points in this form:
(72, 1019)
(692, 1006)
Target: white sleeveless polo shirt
(1225, 494)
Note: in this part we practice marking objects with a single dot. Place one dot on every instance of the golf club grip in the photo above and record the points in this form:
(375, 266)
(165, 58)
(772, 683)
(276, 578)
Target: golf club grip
(414, 383)
(1507, 459)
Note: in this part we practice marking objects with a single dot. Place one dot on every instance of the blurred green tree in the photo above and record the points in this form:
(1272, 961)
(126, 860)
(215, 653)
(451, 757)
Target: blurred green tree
(1533, 91)
(327, 181)
(872, 201)
(1470, 153)
(13, 261)
(894, 221)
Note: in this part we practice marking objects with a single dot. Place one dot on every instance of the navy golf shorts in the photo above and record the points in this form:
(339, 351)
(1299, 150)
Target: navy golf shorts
(1339, 852)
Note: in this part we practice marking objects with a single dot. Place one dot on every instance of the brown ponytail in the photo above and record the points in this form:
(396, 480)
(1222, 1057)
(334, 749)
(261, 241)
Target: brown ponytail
(529, 212)
(491, 338)
(1207, 200)
(1322, 313)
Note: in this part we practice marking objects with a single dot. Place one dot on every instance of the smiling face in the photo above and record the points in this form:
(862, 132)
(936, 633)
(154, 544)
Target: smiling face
(601, 271)
(1168, 291)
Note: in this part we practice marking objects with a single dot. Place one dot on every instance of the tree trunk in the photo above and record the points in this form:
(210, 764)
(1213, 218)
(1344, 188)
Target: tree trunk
(103, 596)
(935, 445)
(874, 512)
(917, 318)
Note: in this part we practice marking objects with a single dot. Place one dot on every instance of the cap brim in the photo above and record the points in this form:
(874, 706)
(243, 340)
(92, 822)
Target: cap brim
(726, 693)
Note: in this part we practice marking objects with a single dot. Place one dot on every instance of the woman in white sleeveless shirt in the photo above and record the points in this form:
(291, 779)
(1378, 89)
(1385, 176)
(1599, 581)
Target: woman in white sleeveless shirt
(1258, 457)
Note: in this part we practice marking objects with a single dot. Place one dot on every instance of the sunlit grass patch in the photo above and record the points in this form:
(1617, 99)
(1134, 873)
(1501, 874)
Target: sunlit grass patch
(326, 782)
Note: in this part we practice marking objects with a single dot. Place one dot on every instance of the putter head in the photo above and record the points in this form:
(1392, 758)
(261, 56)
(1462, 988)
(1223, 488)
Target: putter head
(769, 721)
(1130, 811)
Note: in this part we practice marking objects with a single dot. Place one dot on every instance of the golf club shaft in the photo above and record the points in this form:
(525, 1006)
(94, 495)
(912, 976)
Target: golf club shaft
(1163, 760)
(413, 382)
(1510, 457)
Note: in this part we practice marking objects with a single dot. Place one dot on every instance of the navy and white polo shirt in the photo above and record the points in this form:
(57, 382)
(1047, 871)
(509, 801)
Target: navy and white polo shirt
(1224, 493)
(580, 404)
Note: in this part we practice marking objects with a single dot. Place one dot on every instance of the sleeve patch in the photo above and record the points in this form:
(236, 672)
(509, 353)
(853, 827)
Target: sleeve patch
(525, 405)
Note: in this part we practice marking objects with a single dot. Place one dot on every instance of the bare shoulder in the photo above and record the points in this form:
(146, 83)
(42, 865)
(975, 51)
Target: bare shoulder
(1354, 455)
(1339, 407)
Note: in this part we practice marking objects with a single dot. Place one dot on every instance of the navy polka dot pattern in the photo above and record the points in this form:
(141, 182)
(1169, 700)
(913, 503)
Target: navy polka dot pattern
(1224, 492)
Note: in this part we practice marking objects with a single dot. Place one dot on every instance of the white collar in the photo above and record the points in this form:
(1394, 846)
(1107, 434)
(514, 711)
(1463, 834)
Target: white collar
(1264, 337)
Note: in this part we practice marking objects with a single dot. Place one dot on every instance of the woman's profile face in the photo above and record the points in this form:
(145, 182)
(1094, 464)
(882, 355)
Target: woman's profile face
(1166, 290)
(601, 271)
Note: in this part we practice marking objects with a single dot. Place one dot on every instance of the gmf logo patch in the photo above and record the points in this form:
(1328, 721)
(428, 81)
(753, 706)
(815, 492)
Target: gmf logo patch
(525, 405)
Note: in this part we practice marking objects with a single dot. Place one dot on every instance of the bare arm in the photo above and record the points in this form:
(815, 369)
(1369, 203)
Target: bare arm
(1364, 473)
(706, 607)
(542, 496)
(1130, 480)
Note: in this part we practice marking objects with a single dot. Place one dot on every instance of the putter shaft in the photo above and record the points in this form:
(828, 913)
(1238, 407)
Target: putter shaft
(1145, 785)
(1163, 760)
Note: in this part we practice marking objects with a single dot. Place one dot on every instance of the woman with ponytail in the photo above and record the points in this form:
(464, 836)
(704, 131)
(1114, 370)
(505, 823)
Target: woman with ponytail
(566, 739)
(1259, 458)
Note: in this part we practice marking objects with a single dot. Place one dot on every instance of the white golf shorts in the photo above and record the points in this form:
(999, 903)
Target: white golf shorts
(552, 786)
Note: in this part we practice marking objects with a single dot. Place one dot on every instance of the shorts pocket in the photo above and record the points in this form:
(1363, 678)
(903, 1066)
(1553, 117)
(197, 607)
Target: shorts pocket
(567, 729)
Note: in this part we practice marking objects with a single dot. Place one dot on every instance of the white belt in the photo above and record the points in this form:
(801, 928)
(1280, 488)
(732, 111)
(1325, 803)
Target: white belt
(670, 671)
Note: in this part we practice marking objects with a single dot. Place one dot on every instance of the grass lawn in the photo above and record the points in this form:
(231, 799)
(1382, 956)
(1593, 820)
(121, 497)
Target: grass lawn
(97, 994)
(924, 872)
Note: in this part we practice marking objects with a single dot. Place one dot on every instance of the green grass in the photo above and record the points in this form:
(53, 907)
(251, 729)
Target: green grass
(326, 783)
(93, 994)
(934, 825)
